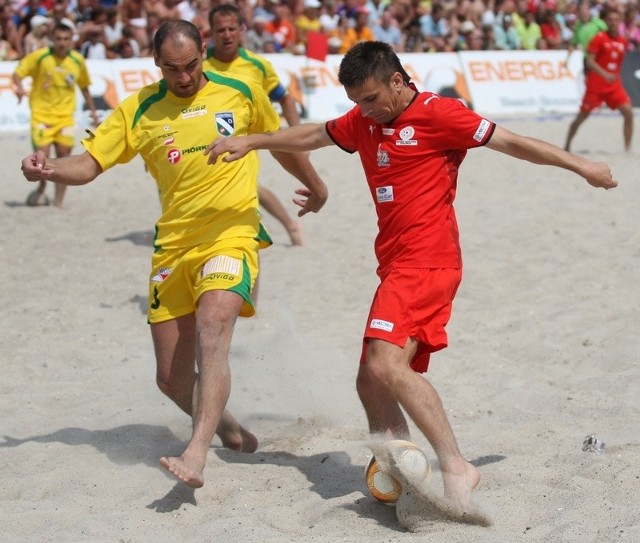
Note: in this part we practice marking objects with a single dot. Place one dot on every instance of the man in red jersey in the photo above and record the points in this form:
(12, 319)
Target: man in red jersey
(605, 54)
(411, 145)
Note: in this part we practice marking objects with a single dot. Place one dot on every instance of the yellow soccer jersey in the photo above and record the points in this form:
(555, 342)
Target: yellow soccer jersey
(201, 203)
(53, 90)
(249, 65)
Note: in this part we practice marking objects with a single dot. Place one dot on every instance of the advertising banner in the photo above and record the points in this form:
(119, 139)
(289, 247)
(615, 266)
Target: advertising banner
(491, 82)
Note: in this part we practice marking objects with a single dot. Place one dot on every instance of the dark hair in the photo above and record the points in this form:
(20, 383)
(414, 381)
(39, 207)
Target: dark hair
(63, 27)
(225, 9)
(173, 29)
(370, 59)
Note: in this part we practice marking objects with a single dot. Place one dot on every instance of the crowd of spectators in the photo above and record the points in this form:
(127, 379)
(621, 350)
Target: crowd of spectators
(125, 28)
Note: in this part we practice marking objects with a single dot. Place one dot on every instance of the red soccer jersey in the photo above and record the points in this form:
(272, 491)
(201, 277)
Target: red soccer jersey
(608, 53)
(411, 166)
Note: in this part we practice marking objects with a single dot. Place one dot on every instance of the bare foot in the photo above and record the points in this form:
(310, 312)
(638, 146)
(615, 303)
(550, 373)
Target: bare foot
(459, 485)
(188, 471)
(239, 440)
(419, 504)
(295, 233)
(234, 435)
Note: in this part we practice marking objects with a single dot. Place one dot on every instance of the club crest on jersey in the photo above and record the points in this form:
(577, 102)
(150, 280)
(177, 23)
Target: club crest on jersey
(383, 158)
(225, 123)
(406, 136)
(384, 194)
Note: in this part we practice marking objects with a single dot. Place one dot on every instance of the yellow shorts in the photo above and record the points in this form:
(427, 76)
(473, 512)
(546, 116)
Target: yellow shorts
(45, 132)
(179, 277)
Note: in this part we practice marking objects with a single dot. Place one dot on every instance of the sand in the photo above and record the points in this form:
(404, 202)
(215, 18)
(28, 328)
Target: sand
(543, 352)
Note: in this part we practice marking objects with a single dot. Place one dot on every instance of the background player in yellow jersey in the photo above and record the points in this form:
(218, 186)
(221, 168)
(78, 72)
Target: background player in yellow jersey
(55, 73)
(208, 235)
(227, 56)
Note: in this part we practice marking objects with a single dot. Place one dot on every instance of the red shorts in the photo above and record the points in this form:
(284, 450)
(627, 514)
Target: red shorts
(614, 96)
(413, 303)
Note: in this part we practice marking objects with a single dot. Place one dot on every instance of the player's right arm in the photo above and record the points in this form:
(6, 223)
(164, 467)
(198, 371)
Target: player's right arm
(591, 63)
(71, 170)
(303, 137)
(19, 89)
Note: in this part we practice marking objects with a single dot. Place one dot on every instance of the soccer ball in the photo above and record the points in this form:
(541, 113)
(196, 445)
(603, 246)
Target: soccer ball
(402, 461)
(382, 486)
(411, 461)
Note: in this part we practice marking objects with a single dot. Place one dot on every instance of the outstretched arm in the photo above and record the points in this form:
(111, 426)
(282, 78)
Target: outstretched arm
(71, 170)
(537, 151)
(304, 137)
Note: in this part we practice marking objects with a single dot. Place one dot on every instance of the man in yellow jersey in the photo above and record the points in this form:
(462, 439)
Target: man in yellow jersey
(227, 56)
(208, 235)
(55, 73)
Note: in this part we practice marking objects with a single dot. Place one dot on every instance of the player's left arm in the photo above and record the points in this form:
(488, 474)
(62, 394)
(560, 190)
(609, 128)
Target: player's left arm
(289, 110)
(90, 104)
(597, 174)
(590, 60)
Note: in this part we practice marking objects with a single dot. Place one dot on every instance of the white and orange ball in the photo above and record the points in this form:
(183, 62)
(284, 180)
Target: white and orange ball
(382, 486)
(401, 457)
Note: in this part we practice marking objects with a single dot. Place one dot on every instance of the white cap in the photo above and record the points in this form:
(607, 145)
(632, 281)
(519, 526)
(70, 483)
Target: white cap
(312, 4)
(335, 42)
(39, 20)
(68, 22)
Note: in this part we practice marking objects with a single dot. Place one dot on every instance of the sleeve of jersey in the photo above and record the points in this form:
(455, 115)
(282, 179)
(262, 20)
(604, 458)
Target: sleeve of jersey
(272, 84)
(265, 117)
(452, 125)
(84, 80)
(594, 44)
(111, 142)
(25, 66)
(344, 130)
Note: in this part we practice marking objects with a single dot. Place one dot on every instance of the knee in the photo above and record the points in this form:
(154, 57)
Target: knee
(172, 387)
(374, 374)
(166, 385)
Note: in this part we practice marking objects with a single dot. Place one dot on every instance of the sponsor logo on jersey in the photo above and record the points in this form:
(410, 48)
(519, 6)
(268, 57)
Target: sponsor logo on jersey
(195, 111)
(406, 136)
(174, 155)
(225, 123)
(384, 194)
(482, 130)
(193, 149)
(381, 325)
(388, 131)
(383, 158)
(161, 274)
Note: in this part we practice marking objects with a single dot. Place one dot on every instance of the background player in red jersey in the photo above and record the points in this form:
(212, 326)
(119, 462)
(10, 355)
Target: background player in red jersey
(411, 145)
(605, 54)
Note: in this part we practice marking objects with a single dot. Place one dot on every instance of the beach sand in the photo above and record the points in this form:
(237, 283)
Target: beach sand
(543, 351)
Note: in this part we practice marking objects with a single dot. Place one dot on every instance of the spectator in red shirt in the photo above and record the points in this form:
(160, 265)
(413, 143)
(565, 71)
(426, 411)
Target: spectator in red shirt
(281, 27)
